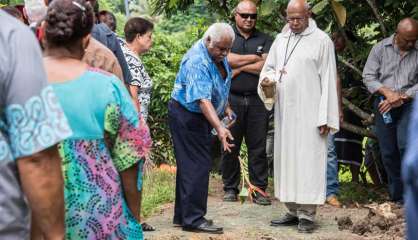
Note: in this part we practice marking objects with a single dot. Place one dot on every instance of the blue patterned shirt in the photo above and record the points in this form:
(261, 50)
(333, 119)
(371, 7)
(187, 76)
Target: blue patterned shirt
(199, 78)
(31, 119)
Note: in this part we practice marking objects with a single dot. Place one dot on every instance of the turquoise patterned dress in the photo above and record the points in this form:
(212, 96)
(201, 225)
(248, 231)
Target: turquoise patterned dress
(108, 137)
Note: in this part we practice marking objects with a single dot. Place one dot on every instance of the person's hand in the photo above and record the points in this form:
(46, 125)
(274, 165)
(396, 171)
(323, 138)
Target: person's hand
(269, 87)
(393, 98)
(384, 106)
(224, 135)
(324, 130)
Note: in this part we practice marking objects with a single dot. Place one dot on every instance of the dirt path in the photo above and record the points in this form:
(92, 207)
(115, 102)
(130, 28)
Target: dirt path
(250, 221)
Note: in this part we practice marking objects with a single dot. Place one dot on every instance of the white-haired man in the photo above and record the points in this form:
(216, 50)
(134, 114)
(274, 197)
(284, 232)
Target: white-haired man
(300, 75)
(199, 99)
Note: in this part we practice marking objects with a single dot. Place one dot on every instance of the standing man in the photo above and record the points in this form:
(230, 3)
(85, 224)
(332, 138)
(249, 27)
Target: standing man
(391, 73)
(31, 123)
(306, 112)
(247, 58)
(199, 98)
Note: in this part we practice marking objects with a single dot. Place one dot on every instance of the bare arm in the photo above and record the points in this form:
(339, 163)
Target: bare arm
(132, 194)
(238, 60)
(210, 114)
(42, 183)
(254, 68)
(133, 90)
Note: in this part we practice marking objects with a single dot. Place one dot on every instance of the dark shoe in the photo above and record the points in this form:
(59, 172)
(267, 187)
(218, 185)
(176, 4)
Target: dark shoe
(177, 224)
(147, 228)
(306, 226)
(230, 196)
(205, 227)
(260, 199)
(286, 220)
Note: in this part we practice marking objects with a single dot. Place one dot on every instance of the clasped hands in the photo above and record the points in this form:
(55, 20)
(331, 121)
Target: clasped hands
(393, 100)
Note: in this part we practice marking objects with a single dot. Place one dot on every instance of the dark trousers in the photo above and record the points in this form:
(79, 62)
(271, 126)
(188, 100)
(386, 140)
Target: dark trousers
(392, 142)
(190, 133)
(251, 125)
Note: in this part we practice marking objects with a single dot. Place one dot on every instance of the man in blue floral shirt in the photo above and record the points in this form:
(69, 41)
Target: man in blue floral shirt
(199, 98)
(31, 123)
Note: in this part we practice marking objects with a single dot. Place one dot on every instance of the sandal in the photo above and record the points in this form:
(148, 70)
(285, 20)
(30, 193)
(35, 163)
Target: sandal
(146, 227)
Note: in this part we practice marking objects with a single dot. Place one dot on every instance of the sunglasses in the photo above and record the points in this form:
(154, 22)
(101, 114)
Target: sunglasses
(252, 16)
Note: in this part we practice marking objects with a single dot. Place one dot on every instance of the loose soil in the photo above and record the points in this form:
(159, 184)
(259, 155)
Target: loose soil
(251, 222)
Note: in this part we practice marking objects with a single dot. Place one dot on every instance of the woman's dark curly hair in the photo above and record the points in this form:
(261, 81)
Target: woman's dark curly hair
(68, 21)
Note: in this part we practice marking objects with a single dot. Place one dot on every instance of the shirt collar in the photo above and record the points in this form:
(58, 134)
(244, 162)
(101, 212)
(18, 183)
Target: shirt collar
(254, 33)
(390, 42)
(202, 46)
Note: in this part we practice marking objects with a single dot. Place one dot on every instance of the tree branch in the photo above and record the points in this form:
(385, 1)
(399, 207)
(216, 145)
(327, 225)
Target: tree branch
(373, 6)
(368, 118)
(357, 130)
(351, 66)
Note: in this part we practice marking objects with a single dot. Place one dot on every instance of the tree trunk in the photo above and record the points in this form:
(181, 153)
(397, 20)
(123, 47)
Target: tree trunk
(373, 6)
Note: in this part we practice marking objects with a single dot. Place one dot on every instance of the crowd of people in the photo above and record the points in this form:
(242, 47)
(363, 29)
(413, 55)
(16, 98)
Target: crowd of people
(75, 100)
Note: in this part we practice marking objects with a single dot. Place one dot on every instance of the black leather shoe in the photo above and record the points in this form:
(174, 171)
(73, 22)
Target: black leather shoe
(205, 227)
(260, 199)
(230, 196)
(177, 224)
(286, 220)
(306, 226)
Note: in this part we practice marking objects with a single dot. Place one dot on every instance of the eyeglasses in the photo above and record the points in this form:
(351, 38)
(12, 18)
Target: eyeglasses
(295, 19)
(252, 16)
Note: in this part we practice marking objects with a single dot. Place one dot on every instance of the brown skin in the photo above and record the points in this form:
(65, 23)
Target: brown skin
(218, 51)
(64, 64)
(45, 192)
(140, 45)
(405, 39)
(250, 63)
(298, 16)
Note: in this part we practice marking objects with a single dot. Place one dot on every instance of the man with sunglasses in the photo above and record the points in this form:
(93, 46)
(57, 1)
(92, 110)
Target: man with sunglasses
(391, 72)
(300, 78)
(247, 58)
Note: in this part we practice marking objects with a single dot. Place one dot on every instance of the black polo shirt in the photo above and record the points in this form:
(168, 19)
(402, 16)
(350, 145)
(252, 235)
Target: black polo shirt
(246, 83)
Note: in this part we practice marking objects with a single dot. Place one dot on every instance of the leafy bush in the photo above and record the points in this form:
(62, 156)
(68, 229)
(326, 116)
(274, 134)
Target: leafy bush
(162, 63)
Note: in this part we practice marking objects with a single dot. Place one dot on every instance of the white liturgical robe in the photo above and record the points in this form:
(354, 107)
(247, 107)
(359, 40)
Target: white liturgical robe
(306, 98)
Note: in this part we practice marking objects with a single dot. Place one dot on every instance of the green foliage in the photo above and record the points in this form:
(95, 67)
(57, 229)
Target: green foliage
(195, 15)
(162, 63)
(10, 2)
(159, 189)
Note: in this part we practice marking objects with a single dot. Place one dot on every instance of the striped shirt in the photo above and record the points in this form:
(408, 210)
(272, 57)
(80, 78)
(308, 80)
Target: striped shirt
(386, 67)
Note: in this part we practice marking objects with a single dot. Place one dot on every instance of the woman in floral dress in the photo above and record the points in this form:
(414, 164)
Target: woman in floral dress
(100, 160)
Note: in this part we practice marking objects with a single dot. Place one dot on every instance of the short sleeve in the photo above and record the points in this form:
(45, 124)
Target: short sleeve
(198, 82)
(136, 68)
(33, 117)
(130, 139)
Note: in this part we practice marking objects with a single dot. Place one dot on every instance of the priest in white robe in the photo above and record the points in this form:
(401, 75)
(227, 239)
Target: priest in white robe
(299, 78)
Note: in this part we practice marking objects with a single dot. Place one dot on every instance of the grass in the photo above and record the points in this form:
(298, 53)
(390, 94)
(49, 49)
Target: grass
(159, 188)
